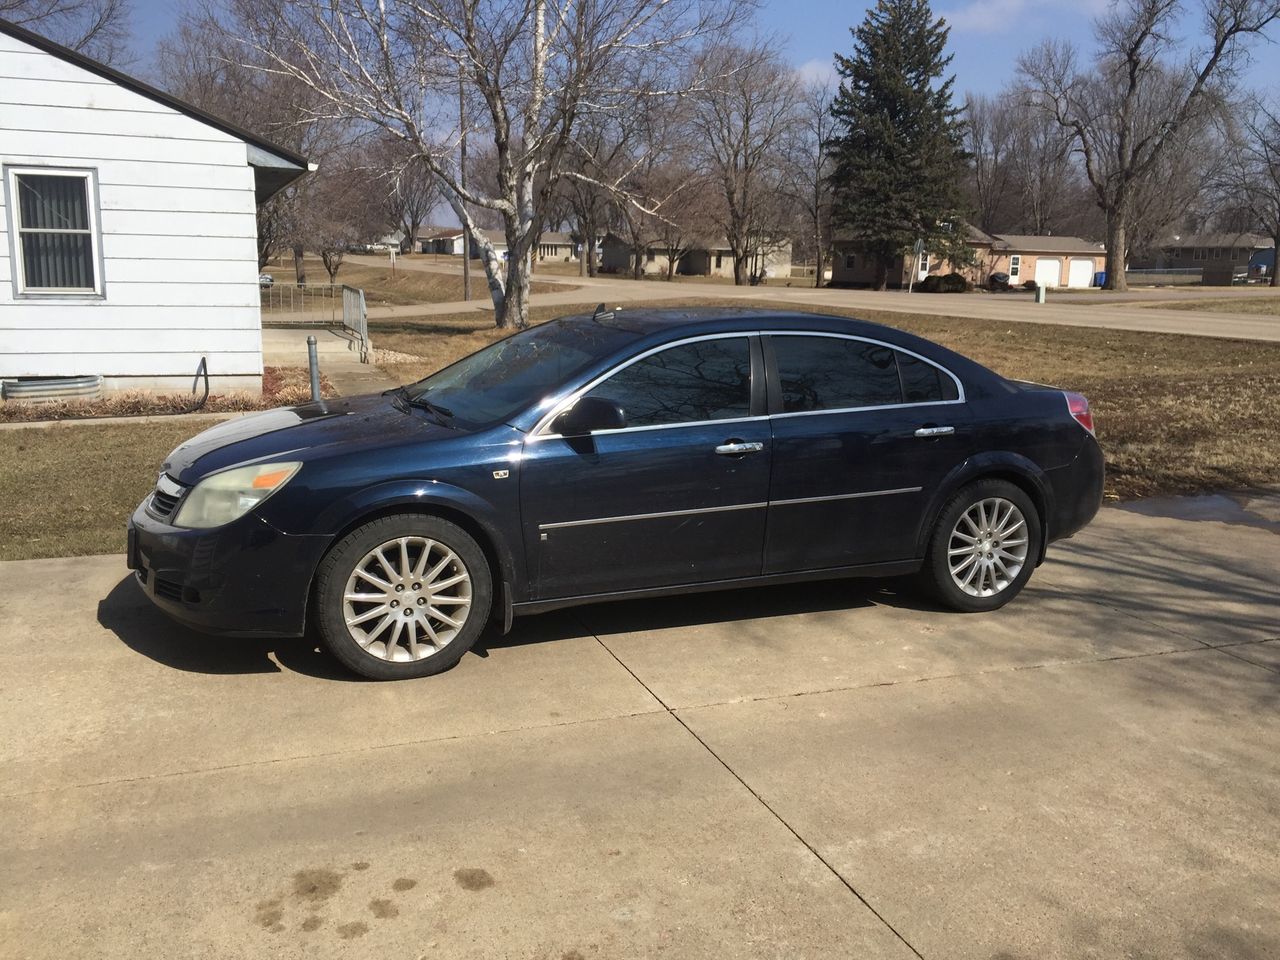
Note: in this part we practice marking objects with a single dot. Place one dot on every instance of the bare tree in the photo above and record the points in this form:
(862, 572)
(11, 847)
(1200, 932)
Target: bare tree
(202, 63)
(742, 123)
(1250, 178)
(1046, 181)
(412, 192)
(530, 71)
(808, 166)
(989, 140)
(97, 28)
(1137, 102)
(685, 219)
(599, 153)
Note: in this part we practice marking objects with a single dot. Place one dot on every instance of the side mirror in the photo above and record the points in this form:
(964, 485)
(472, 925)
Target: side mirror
(588, 415)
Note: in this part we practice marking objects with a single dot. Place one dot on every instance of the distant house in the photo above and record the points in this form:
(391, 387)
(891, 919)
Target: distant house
(445, 240)
(498, 238)
(1222, 254)
(128, 231)
(553, 245)
(1048, 260)
(714, 259)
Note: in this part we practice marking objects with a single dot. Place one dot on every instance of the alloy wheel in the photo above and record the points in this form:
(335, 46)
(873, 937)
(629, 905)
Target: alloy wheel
(407, 598)
(988, 547)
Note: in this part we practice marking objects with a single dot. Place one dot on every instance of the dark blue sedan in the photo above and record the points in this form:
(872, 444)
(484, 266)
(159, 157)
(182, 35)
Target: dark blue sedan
(616, 455)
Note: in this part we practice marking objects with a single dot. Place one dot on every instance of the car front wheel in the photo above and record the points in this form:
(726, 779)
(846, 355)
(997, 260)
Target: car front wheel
(984, 547)
(403, 596)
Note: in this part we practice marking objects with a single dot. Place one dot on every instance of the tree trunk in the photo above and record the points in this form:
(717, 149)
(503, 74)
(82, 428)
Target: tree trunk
(739, 269)
(1116, 242)
(1275, 260)
(299, 268)
(882, 273)
(584, 255)
(637, 266)
(817, 256)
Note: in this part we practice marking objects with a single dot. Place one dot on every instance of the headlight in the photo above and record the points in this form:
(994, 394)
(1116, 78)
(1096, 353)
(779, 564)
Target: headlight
(223, 497)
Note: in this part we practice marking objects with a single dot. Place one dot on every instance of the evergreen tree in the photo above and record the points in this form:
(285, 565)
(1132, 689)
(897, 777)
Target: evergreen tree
(898, 154)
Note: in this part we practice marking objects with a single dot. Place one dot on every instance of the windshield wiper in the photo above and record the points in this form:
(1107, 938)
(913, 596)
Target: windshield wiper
(441, 413)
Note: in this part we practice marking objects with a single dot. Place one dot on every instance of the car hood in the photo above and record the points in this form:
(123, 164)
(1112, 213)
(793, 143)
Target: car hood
(304, 432)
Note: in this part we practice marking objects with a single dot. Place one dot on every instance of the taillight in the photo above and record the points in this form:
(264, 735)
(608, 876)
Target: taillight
(1078, 406)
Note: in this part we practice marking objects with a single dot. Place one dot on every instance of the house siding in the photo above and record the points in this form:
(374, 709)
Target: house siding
(178, 228)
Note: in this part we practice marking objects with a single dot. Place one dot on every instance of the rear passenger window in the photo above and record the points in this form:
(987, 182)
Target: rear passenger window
(923, 382)
(831, 373)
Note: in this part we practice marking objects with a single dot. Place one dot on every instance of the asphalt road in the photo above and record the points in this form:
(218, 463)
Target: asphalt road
(831, 770)
(1131, 311)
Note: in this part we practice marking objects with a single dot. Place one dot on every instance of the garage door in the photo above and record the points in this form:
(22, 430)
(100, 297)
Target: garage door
(1048, 272)
(1080, 273)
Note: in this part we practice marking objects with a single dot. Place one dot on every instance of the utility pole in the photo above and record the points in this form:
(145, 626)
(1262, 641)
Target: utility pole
(462, 182)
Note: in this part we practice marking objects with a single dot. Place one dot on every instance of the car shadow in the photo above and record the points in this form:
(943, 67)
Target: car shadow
(143, 628)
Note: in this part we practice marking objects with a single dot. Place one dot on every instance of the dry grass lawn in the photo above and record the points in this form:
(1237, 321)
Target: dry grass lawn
(1255, 306)
(68, 490)
(409, 286)
(1175, 414)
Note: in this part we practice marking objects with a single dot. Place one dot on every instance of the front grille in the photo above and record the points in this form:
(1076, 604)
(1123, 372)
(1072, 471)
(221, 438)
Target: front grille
(165, 497)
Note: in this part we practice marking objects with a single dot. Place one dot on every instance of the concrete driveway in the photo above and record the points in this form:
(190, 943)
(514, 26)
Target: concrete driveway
(830, 770)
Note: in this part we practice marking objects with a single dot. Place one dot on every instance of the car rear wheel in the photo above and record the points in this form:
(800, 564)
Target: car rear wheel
(403, 596)
(984, 547)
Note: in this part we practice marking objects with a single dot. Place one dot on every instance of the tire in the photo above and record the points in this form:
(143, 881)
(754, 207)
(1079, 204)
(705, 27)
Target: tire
(360, 597)
(986, 558)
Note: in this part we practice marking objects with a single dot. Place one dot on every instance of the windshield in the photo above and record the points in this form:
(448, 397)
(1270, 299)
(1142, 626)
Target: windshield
(513, 374)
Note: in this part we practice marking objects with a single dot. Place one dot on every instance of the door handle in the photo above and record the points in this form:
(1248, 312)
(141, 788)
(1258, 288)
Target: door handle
(736, 448)
(935, 431)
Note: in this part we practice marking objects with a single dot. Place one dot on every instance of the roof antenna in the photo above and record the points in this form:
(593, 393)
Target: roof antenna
(602, 313)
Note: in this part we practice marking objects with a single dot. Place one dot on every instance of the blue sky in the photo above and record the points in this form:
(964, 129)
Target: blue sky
(986, 35)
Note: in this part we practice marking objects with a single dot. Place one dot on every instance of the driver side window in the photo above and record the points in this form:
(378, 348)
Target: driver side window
(704, 380)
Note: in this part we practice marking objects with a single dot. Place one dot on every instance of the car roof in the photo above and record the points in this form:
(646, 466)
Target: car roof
(652, 327)
(670, 323)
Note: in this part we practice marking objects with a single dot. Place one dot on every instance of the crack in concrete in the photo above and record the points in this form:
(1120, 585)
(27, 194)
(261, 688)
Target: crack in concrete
(760, 800)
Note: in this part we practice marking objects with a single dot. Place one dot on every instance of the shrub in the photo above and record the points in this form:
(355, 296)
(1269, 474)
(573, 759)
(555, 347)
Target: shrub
(1031, 285)
(944, 283)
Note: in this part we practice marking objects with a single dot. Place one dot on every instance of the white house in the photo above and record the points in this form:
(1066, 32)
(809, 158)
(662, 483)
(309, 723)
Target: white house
(128, 228)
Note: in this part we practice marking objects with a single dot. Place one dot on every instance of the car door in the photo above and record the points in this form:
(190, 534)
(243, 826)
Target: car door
(676, 496)
(863, 434)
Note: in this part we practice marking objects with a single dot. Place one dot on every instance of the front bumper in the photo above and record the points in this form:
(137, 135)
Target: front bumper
(242, 579)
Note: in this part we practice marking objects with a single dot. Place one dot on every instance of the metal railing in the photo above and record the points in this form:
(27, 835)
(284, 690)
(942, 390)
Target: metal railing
(1166, 276)
(292, 302)
(355, 318)
(319, 304)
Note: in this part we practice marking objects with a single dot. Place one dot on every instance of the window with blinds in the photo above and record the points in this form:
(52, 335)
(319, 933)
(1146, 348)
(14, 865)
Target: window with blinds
(55, 232)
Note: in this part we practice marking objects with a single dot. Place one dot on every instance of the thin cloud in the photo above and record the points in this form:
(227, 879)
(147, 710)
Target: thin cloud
(1002, 16)
(818, 71)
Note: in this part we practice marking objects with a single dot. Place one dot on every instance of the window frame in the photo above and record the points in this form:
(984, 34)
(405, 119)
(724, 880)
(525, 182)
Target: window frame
(13, 217)
(1015, 266)
(775, 397)
(542, 430)
(764, 376)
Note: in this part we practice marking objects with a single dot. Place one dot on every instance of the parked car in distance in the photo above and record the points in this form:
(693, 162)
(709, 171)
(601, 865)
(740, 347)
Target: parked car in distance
(266, 280)
(612, 456)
